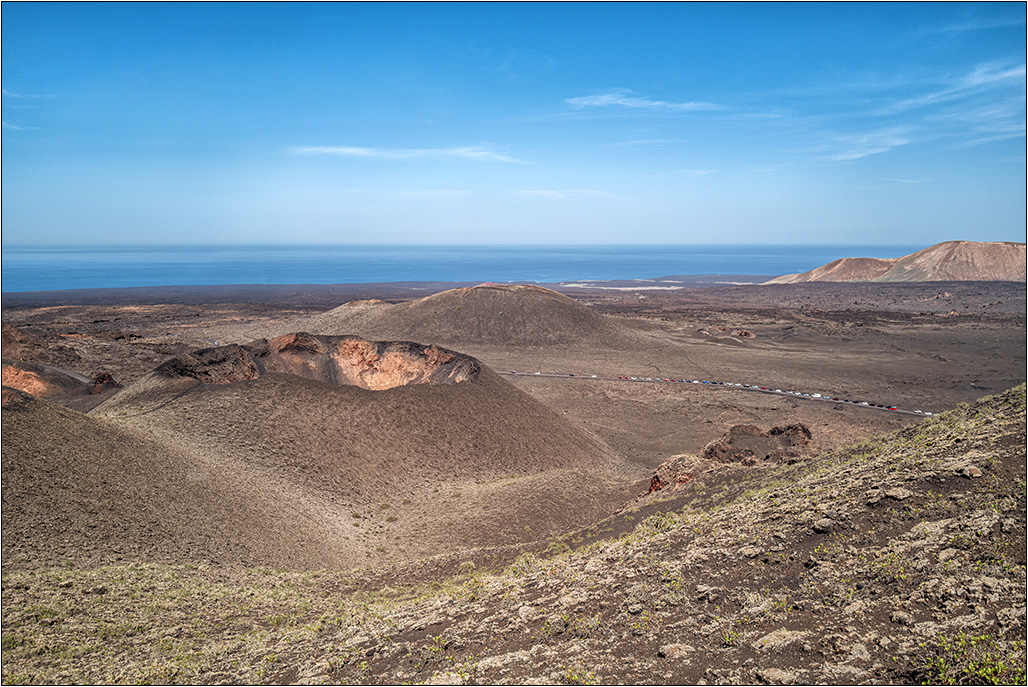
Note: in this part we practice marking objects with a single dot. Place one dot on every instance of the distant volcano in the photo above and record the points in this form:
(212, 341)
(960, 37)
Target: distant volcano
(487, 314)
(948, 261)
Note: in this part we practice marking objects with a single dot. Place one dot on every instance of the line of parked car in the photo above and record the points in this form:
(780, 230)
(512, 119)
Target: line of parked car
(754, 387)
(751, 387)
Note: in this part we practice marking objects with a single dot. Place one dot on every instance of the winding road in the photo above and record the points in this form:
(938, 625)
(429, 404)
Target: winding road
(804, 396)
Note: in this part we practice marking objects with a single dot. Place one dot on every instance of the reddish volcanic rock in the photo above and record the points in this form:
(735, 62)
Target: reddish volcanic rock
(747, 444)
(673, 472)
(25, 380)
(342, 360)
(103, 382)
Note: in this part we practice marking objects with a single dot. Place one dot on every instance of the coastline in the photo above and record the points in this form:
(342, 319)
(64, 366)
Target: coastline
(330, 295)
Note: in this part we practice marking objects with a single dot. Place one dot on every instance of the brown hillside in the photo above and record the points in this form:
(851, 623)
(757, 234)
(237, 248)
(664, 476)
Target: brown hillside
(489, 314)
(80, 488)
(948, 261)
(344, 450)
(19, 344)
(962, 261)
(843, 269)
(66, 388)
(38, 380)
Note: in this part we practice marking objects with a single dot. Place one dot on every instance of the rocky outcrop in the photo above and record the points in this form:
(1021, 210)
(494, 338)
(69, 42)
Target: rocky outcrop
(748, 445)
(673, 472)
(103, 382)
(25, 380)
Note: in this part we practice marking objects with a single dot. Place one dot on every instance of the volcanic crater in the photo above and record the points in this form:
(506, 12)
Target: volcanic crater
(340, 360)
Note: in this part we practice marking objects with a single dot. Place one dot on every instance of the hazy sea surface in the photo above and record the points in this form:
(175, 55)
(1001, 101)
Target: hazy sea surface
(51, 268)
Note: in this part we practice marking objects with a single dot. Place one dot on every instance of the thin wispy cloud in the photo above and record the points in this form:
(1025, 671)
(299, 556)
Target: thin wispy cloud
(856, 146)
(647, 142)
(981, 105)
(19, 127)
(567, 193)
(981, 24)
(21, 96)
(982, 78)
(684, 173)
(400, 194)
(468, 153)
(442, 193)
(625, 98)
(972, 126)
(17, 101)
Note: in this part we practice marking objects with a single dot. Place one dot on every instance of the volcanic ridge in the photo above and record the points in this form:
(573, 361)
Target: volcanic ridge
(947, 261)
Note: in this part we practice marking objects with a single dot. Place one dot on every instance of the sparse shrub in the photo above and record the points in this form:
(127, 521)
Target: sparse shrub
(524, 564)
(970, 660)
(660, 522)
(731, 638)
(578, 676)
(557, 625)
(583, 628)
(557, 547)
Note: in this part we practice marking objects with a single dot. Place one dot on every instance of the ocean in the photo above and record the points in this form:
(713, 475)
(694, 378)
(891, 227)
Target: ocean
(52, 268)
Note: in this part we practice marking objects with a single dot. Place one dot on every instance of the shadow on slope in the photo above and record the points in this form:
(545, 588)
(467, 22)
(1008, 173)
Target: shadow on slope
(405, 471)
(84, 490)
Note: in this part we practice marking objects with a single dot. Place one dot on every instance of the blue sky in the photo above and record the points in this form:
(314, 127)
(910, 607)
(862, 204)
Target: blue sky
(894, 123)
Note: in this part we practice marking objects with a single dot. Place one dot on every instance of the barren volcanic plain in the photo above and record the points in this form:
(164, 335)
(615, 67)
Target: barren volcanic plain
(373, 484)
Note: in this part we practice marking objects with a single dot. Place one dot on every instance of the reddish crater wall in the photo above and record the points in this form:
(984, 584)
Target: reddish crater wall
(342, 360)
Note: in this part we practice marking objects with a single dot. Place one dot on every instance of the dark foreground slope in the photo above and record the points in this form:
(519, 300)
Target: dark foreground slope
(900, 560)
